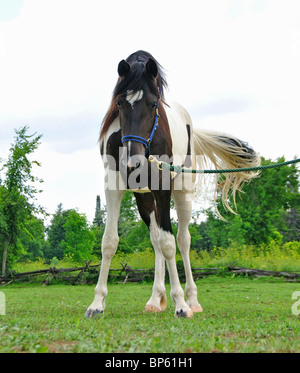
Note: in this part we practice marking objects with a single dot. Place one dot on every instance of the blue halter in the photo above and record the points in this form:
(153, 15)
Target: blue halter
(145, 142)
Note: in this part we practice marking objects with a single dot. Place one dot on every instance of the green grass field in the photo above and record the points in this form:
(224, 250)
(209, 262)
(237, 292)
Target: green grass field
(240, 315)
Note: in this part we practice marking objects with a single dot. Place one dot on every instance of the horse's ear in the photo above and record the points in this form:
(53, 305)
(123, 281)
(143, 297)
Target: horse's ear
(152, 67)
(123, 68)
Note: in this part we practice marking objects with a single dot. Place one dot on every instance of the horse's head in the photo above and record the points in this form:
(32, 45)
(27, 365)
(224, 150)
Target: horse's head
(137, 97)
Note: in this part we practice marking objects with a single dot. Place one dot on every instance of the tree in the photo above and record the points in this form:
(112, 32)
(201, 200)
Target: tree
(98, 233)
(99, 219)
(56, 233)
(69, 234)
(98, 226)
(128, 211)
(17, 194)
(291, 220)
(133, 233)
(33, 238)
(79, 238)
(268, 209)
(129, 224)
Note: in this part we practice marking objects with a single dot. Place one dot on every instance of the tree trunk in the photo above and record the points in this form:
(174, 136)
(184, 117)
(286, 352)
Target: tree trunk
(4, 256)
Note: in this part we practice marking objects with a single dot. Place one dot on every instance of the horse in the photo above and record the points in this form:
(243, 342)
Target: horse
(140, 123)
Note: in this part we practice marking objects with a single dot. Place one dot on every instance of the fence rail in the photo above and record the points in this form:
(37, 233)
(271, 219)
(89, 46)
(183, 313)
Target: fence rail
(89, 274)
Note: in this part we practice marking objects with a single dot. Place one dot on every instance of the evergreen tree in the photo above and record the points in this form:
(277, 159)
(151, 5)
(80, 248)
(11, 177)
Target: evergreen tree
(56, 233)
(291, 222)
(99, 219)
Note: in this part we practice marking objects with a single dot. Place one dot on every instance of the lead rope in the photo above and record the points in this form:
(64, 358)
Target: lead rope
(178, 169)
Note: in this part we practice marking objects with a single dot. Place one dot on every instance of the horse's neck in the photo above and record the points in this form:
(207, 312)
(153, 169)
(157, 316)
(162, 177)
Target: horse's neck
(178, 119)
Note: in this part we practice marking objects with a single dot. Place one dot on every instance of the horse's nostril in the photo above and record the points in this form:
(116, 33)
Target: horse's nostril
(133, 164)
(131, 167)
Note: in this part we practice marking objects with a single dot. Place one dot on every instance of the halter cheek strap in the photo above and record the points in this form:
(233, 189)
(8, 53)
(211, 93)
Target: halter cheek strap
(145, 142)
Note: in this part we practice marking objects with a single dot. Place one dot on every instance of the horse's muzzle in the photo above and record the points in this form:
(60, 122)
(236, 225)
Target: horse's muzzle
(132, 162)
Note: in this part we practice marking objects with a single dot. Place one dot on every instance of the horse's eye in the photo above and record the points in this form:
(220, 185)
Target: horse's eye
(153, 105)
(118, 103)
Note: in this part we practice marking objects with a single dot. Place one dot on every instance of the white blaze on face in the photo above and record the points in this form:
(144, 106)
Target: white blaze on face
(132, 98)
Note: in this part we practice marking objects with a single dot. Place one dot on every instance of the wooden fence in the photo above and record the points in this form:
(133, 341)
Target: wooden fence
(89, 274)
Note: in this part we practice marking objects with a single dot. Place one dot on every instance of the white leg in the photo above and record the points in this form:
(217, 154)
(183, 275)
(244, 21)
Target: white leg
(168, 248)
(158, 300)
(110, 242)
(183, 206)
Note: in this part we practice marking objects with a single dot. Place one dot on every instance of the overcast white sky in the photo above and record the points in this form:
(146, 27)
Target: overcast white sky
(234, 64)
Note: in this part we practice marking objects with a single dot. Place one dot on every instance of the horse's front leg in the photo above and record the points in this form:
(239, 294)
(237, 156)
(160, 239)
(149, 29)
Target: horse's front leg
(158, 300)
(146, 206)
(109, 246)
(168, 248)
(183, 206)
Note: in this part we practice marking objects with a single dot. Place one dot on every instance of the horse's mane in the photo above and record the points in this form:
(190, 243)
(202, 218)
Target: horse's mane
(134, 81)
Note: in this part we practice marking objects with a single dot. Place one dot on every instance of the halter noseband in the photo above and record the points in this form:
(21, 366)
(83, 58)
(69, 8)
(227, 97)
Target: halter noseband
(145, 142)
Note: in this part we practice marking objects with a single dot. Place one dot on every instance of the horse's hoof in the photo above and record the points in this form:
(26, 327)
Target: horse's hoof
(151, 309)
(196, 309)
(90, 313)
(185, 314)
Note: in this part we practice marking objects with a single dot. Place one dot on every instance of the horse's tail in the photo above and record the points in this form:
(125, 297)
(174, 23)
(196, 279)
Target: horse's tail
(225, 152)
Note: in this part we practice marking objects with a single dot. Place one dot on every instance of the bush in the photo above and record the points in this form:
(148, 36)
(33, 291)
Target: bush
(274, 256)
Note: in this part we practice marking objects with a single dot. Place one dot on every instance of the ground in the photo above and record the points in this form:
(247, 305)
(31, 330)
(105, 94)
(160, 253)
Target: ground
(240, 315)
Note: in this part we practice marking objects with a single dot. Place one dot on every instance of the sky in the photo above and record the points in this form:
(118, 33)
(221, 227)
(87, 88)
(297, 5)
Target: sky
(233, 64)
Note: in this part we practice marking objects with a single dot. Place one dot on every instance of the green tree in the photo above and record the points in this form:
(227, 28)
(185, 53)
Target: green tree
(56, 234)
(79, 237)
(98, 233)
(128, 219)
(135, 238)
(99, 219)
(98, 226)
(33, 238)
(129, 211)
(265, 210)
(17, 194)
(69, 234)
(291, 220)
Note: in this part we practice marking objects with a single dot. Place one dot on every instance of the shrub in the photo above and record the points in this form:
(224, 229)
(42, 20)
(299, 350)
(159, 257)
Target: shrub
(273, 256)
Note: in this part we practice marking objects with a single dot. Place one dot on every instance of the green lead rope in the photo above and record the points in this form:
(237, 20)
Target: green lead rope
(178, 169)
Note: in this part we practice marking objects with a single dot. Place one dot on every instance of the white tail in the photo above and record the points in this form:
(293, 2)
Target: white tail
(226, 152)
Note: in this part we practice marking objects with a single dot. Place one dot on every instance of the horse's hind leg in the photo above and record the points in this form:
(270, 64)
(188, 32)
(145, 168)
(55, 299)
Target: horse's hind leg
(183, 206)
(109, 246)
(158, 300)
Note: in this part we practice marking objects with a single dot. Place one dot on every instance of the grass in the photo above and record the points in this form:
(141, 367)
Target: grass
(240, 315)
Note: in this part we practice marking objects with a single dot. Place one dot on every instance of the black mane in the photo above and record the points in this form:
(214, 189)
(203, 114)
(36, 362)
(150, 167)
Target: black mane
(138, 77)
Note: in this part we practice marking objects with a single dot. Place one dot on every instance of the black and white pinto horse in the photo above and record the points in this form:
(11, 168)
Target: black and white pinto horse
(140, 123)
